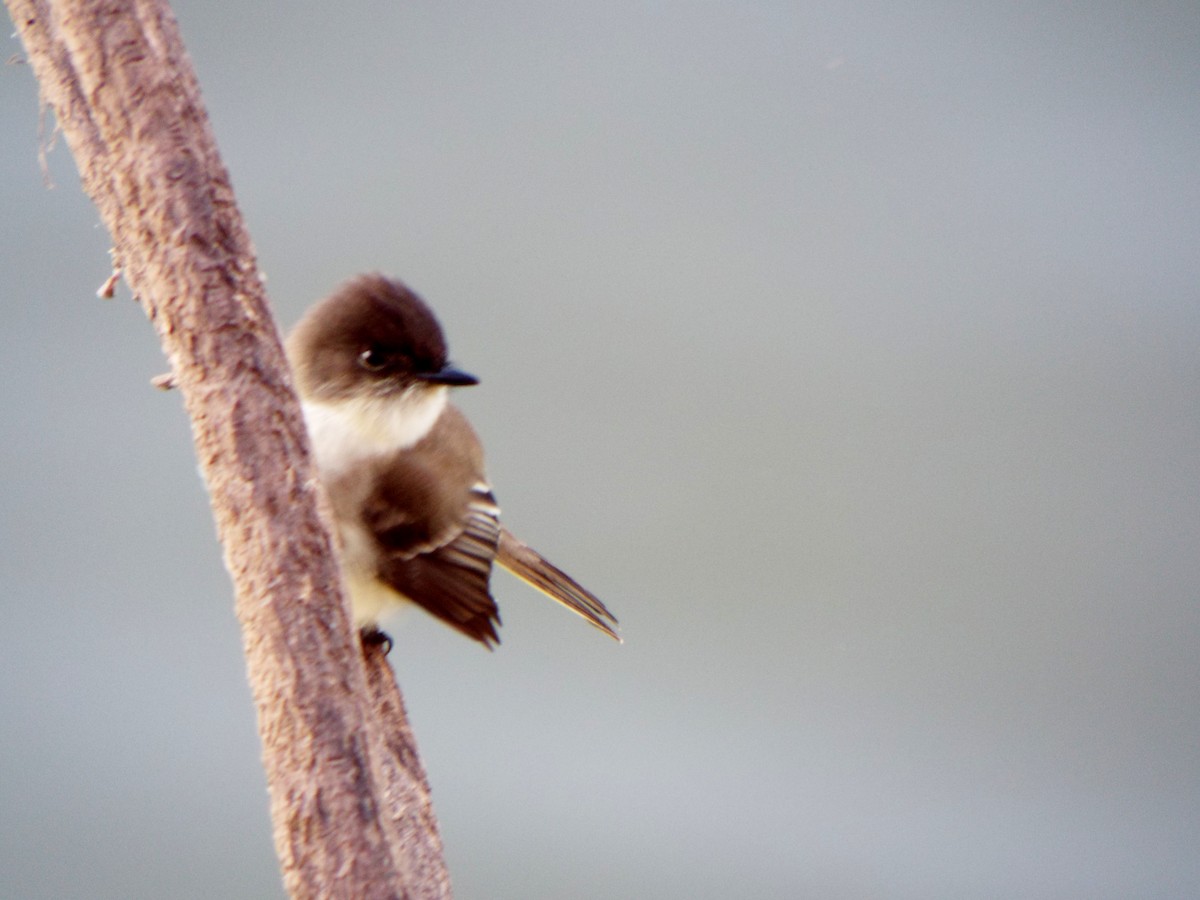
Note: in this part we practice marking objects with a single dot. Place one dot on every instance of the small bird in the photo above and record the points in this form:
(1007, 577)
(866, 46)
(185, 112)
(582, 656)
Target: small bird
(416, 518)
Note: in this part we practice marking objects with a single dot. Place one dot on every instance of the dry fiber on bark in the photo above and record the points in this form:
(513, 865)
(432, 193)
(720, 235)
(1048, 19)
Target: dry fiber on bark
(349, 800)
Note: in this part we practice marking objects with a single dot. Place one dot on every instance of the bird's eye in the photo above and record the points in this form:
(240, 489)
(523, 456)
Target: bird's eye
(373, 359)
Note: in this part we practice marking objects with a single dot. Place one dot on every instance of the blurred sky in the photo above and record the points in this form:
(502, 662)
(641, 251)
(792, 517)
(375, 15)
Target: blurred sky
(849, 351)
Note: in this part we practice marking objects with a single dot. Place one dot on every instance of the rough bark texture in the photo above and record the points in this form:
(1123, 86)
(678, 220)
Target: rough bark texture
(349, 799)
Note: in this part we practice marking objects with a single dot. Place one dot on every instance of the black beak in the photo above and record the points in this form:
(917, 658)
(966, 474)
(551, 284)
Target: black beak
(449, 376)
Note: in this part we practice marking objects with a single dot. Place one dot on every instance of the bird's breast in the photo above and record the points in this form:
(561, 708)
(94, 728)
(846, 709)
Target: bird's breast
(348, 431)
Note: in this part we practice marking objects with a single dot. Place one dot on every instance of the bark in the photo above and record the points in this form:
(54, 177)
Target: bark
(349, 799)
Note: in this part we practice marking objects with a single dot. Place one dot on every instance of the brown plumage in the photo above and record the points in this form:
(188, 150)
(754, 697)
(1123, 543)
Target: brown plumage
(403, 468)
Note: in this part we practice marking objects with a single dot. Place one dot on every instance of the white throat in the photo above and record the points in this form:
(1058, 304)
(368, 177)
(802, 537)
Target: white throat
(350, 430)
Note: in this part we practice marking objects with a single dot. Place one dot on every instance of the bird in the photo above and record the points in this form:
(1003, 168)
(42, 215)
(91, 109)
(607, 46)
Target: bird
(416, 519)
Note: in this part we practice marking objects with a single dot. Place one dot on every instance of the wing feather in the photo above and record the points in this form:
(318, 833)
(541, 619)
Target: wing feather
(447, 574)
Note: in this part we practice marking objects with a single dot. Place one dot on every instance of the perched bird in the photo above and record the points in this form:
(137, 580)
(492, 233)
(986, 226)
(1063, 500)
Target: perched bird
(404, 471)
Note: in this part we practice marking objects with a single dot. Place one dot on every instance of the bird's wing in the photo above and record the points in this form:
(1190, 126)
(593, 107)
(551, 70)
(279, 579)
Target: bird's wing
(445, 572)
(534, 569)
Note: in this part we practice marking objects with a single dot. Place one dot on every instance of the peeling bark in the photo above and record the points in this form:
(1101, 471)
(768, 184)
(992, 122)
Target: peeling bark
(349, 798)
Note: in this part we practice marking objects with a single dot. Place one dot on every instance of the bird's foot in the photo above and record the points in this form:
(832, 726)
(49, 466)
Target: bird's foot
(373, 637)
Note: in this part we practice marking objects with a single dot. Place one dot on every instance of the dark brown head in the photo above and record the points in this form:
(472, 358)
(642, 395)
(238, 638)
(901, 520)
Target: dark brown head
(372, 337)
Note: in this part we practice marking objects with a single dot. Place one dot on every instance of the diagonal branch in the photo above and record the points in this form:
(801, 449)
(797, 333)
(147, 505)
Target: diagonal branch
(349, 800)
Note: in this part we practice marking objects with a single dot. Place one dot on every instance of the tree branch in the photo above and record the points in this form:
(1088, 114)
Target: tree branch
(349, 800)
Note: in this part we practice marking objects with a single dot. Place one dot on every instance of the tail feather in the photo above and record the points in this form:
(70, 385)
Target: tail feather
(532, 568)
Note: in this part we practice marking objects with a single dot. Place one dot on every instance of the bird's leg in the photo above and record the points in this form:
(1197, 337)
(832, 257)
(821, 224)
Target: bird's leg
(373, 637)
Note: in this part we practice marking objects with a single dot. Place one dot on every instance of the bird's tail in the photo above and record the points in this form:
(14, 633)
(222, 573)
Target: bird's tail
(532, 568)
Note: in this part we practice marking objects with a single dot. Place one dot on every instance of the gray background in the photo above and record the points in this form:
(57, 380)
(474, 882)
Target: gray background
(848, 351)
